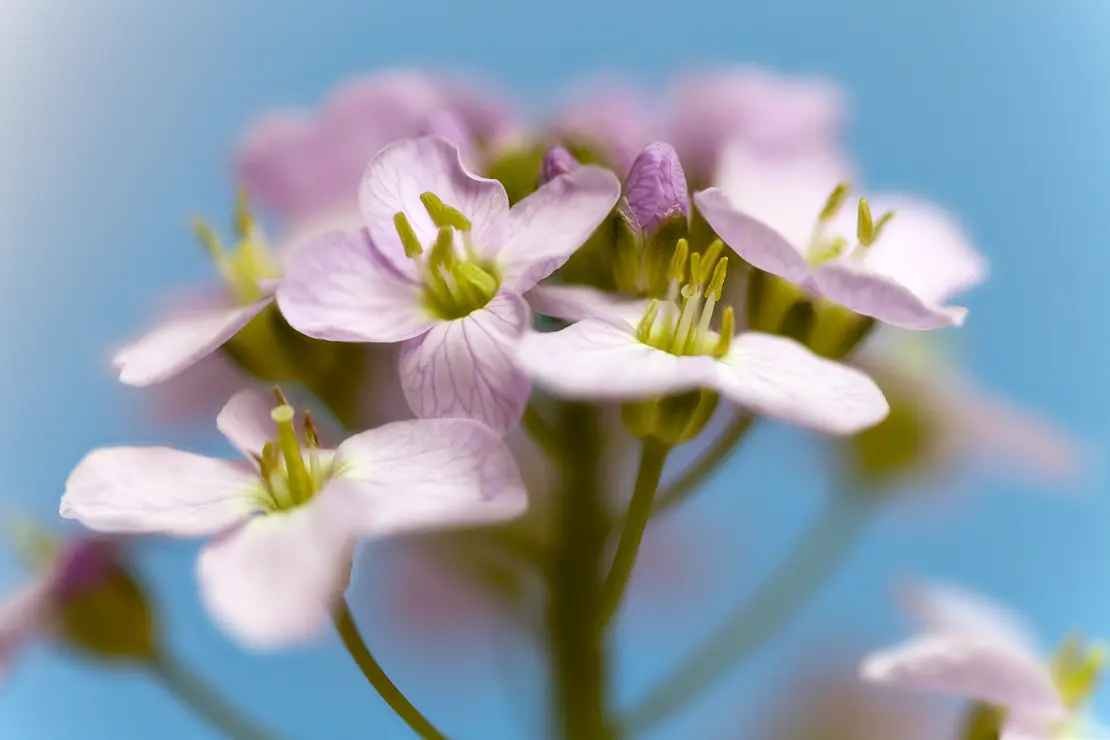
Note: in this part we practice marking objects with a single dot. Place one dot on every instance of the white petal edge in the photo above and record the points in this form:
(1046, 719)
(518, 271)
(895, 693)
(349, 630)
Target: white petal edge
(755, 242)
(159, 490)
(246, 422)
(779, 378)
(947, 608)
(855, 286)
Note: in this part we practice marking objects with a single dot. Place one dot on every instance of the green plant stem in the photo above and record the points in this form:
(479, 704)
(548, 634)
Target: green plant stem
(348, 632)
(578, 662)
(653, 456)
(769, 608)
(715, 455)
(204, 700)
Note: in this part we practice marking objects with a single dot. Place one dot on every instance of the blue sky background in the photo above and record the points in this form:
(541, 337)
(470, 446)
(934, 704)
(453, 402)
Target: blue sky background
(117, 122)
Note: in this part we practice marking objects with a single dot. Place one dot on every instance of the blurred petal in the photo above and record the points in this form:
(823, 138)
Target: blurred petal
(464, 368)
(656, 186)
(779, 378)
(428, 473)
(557, 161)
(273, 580)
(402, 171)
(23, 615)
(159, 490)
(180, 342)
(855, 286)
(197, 393)
(338, 287)
(755, 241)
(552, 223)
(964, 665)
(595, 360)
(245, 421)
(578, 302)
(945, 608)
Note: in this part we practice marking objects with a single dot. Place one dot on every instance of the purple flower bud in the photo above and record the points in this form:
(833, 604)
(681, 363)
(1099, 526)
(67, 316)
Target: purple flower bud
(656, 186)
(557, 161)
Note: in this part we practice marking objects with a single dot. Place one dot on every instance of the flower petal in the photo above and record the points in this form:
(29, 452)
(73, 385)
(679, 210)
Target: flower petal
(596, 360)
(402, 171)
(945, 608)
(273, 580)
(428, 473)
(755, 241)
(245, 421)
(159, 490)
(967, 666)
(338, 287)
(779, 378)
(579, 302)
(22, 616)
(180, 342)
(548, 226)
(464, 368)
(855, 286)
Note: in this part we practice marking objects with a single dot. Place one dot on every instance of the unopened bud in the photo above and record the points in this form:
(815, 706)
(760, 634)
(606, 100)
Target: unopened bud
(656, 187)
(557, 161)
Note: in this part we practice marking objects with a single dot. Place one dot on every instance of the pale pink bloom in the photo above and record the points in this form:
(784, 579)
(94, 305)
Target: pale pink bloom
(282, 537)
(973, 648)
(458, 308)
(608, 114)
(779, 117)
(34, 609)
(597, 359)
(770, 214)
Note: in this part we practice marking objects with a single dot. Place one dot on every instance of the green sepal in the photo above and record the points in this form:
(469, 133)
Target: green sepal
(111, 620)
(671, 420)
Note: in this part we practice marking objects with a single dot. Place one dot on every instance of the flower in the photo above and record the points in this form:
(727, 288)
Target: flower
(778, 116)
(972, 647)
(608, 116)
(442, 266)
(672, 350)
(788, 219)
(284, 521)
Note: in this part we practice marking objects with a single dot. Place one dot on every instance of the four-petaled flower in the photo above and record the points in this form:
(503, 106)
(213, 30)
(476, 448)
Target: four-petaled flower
(442, 266)
(789, 219)
(284, 521)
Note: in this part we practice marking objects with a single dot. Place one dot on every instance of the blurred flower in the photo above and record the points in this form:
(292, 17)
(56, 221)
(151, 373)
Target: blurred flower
(942, 423)
(673, 351)
(607, 117)
(82, 596)
(789, 219)
(971, 647)
(777, 116)
(442, 266)
(557, 161)
(285, 520)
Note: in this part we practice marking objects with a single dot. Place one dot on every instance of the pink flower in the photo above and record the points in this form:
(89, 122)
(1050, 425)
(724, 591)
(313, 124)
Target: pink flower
(789, 219)
(284, 521)
(609, 115)
(441, 267)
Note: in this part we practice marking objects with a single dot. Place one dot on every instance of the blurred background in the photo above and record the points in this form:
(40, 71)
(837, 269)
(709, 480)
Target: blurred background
(119, 120)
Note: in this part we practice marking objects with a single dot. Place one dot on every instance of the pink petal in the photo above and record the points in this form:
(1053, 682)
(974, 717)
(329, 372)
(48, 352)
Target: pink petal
(755, 241)
(967, 666)
(552, 223)
(180, 342)
(779, 378)
(245, 421)
(22, 616)
(596, 360)
(402, 171)
(159, 490)
(578, 302)
(428, 473)
(464, 368)
(944, 608)
(196, 394)
(855, 286)
(338, 287)
(924, 249)
(272, 581)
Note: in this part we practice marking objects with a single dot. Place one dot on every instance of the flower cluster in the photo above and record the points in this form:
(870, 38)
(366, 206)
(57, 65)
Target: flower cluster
(463, 292)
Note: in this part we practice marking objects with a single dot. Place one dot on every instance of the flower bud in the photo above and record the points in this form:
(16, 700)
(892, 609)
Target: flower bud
(656, 187)
(557, 161)
(671, 420)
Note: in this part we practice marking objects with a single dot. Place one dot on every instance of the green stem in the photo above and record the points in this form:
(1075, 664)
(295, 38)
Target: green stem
(204, 700)
(768, 608)
(653, 457)
(348, 631)
(579, 677)
(710, 459)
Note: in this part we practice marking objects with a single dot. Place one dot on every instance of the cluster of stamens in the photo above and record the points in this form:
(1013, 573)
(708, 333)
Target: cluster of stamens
(823, 248)
(680, 324)
(249, 262)
(456, 281)
(289, 479)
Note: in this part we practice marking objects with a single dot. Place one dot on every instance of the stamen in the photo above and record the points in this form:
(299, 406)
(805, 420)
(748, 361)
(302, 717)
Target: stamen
(300, 486)
(409, 240)
(691, 304)
(279, 396)
(443, 251)
(312, 442)
(882, 222)
(713, 294)
(676, 273)
(712, 254)
(242, 222)
(211, 243)
(728, 328)
(643, 330)
(835, 201)
(865, 227)
(442, 214)
(478, 281)
(269, 468)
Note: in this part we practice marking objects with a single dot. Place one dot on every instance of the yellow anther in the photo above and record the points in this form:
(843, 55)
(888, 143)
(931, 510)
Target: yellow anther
(717, 283)
(442, 214)
(409, 240)
(865, 227)
(835, 201)
(728, 328)
(709, 261)
(677, 271)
